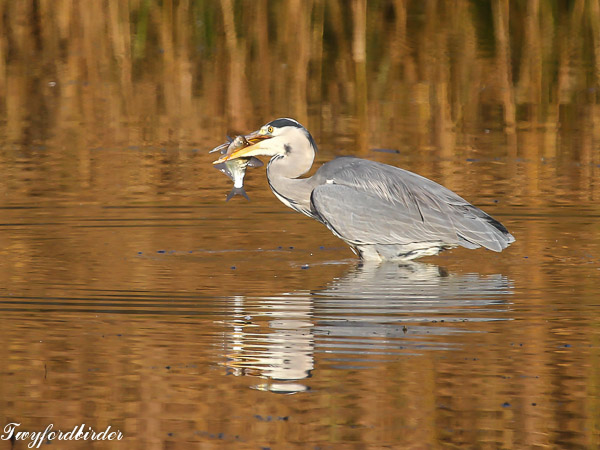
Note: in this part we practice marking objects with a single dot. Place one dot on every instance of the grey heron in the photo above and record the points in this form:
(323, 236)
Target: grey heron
(381, 211)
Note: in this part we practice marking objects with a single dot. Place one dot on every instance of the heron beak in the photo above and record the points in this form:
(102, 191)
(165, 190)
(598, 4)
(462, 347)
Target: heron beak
(252, 150)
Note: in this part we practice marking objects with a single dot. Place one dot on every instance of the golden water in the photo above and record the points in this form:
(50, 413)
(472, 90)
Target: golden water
(133, 295)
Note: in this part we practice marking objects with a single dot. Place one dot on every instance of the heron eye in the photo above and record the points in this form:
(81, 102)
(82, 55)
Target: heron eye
(270, 129)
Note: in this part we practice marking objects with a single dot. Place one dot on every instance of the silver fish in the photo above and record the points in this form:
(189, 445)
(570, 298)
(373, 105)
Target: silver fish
(236, 168)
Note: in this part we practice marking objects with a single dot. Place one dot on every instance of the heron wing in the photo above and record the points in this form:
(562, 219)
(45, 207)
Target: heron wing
(372, 203)
(360, 218)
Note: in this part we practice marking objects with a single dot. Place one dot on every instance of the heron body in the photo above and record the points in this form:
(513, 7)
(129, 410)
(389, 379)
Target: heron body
(381, 211)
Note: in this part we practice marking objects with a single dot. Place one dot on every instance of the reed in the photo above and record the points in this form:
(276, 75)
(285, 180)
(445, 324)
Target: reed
(171, 71)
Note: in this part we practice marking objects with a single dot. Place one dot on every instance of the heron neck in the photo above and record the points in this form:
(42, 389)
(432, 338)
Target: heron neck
(293, 191)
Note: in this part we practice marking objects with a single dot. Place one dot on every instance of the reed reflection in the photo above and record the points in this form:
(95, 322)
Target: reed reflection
(373, 313)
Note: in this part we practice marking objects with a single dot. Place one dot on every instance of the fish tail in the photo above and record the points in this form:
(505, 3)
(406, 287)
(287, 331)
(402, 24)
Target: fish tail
(237, 191)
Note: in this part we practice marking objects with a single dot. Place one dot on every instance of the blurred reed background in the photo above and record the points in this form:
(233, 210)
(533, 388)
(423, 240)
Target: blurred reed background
(85, 85)
(431, 73)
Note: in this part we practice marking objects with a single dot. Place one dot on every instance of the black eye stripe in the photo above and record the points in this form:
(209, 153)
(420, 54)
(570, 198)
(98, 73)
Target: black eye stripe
(279, 123)
(286, 122)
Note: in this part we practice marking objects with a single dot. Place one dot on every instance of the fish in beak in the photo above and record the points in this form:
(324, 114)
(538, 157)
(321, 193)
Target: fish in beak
(254, 139)
(235, 168)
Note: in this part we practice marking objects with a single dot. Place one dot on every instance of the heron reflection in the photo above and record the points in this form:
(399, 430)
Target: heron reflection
(373, 313)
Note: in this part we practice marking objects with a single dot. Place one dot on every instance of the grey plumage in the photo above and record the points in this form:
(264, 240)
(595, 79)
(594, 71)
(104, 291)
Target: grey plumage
(402, 214)
(381, 211)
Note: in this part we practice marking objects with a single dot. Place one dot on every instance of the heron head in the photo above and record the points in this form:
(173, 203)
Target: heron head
(280, 137)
